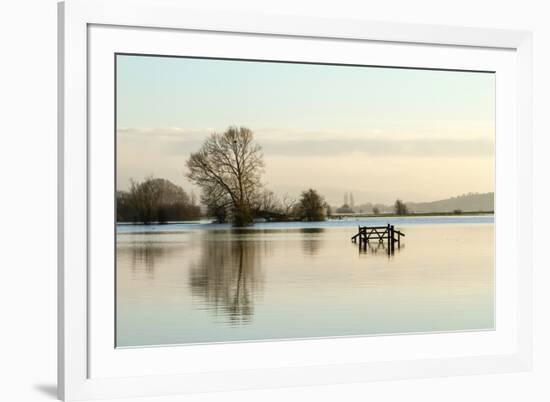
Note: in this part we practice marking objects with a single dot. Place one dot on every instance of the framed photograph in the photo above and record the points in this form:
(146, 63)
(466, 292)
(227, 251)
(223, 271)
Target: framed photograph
(252, 201)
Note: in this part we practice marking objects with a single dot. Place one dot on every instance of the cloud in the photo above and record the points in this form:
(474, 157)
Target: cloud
(383, 148)
(299, 143)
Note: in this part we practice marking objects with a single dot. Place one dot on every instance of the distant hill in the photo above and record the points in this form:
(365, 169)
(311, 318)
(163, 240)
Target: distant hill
(472, 202)
(466, 203)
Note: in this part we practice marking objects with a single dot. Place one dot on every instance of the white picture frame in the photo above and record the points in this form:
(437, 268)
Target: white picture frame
(88, 367)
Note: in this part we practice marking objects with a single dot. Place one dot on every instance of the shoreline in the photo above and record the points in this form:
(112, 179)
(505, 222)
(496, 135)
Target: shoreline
(391, 215)
(332, 218)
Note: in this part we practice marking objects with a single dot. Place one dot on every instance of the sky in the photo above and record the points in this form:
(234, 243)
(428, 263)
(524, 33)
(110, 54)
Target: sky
(379, 133)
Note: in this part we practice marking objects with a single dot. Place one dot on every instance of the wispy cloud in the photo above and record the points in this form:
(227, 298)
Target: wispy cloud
(302, 144)
(381, 147)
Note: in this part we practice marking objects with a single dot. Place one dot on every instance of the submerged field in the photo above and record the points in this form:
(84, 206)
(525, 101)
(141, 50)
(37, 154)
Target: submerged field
(194, 283)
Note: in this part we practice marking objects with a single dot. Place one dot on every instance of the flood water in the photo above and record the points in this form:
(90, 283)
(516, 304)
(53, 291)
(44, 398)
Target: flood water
(195, 283)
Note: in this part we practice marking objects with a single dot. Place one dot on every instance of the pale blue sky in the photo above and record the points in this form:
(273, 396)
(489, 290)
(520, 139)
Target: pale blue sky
(330, 118)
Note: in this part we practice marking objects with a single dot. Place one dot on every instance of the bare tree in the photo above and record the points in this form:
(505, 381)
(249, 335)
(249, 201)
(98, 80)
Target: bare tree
(228, 168)
(288, 204)
(144, 197)
(217, 201)
(312, 206)
(400, 208)
(267, 202)
(155, 200)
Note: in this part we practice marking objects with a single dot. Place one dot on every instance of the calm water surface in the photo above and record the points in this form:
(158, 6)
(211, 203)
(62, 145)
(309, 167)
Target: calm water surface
(189, 283)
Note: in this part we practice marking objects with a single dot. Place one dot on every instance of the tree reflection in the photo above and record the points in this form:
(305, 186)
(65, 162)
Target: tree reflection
(143, 255)
(312, 240)
(228, 276)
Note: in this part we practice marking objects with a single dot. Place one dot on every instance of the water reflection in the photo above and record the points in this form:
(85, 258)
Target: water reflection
(214, 285)
(312, 240)
(228, 277)
(379, 248)
(144, 255)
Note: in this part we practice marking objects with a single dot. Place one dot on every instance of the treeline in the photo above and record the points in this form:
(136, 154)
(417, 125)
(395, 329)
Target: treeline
(398, 208)
(266, 206)
(228, 168)
(471, 202)
(155, 201)
(310, 206)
